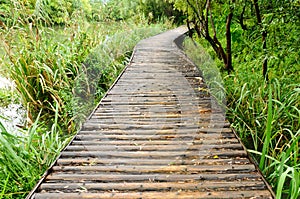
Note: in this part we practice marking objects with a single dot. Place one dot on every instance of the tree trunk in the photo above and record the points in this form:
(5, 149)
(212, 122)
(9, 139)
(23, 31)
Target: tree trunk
(201, 25)
(264, 39)
(265, 62)
(241, 18)
(218, 46)
(228, 65)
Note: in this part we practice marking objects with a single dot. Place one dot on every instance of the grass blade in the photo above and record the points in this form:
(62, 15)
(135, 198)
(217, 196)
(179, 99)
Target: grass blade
(267, 132)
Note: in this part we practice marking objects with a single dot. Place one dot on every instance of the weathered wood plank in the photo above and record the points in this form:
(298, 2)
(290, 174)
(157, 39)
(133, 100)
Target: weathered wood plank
(154, 195)
(167, 126)
(145, 147)
(181, 152)
(179, 137)
(157, 142)
(145, 161)
(214, 117)
(156, 134)
(167, 177)
(145, 169)
(157, 186)
(199, 130)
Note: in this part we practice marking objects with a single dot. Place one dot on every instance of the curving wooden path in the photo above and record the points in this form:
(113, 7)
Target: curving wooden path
(156, 134)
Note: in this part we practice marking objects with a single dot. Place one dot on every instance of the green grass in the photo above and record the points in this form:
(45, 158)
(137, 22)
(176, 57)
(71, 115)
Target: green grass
(267, 119)
(7, 96)
(53, 67)
(24, 157)
(265, 114)
(52, 71)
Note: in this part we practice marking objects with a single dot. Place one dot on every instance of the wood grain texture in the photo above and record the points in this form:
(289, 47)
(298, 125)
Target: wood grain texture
(156, 134)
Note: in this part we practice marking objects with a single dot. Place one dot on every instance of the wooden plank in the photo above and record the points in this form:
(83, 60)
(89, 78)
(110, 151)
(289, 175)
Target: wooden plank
(154, 195)
(199, 130)
(156, 186)
(157, 154)
(151, 127)
(156, 142)
(195, 99)
(213, 117)
(160, 121)
(154, 93)
(107, 110)
(145, 147)
(186, 137)
(107, 177)
(145, 161)
(145, 103)
(145, 169)
(161, 96)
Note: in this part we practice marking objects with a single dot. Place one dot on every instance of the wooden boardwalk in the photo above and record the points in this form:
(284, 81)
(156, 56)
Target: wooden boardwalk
(156, 134)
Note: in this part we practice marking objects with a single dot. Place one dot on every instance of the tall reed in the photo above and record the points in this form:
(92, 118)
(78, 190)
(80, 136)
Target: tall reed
(266, 116)
(50, 69)
(25, 157)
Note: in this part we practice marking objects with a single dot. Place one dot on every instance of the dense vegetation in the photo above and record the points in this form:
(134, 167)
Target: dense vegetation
(64, 54)
(62, 57)
(255, 44)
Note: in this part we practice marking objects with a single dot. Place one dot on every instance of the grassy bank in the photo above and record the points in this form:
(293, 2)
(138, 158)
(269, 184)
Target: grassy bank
(266, 115)
(51, 65)
(62, 57)
(60, 73)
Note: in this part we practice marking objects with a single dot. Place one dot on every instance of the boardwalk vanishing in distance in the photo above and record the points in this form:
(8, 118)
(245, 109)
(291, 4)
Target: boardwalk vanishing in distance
(156, 134)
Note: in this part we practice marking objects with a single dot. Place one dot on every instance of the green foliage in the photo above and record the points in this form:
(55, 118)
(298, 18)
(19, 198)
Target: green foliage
(52, 67)
(266, 114)
(25, 157)
(7, 96)
(48, 67)
(136, 10)
(48, 12)
(204, 19)
(155, 10)
(275, 133)
(61, 11)
(119, 10)
(44, 70)
(266, 117)
(52, 11)
(14, 12)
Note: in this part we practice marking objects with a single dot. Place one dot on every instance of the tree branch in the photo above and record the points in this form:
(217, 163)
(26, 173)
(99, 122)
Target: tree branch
(241, 18)
(264, 38)
(228, 64)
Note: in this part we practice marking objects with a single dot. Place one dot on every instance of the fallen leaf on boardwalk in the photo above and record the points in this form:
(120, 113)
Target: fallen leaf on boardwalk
(199, 78)
(205, 111)
(202, 89)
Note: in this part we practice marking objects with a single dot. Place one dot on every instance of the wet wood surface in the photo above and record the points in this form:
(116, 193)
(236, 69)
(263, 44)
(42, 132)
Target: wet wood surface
(157, 133)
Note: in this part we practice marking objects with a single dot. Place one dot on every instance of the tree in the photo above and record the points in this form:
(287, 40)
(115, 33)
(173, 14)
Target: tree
(60, 11)
(202, 15)
(155, 10)
(152, 10)
(264, 34)
(258, 20)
